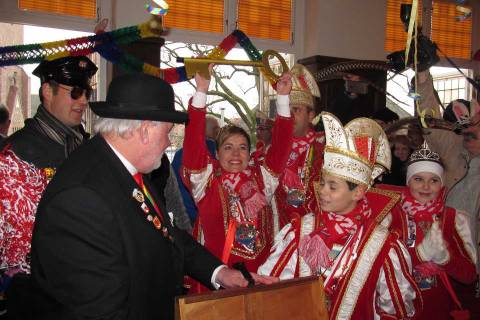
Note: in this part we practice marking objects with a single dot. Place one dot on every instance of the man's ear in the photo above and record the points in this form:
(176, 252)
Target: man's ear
(143, 131)
(47, 92)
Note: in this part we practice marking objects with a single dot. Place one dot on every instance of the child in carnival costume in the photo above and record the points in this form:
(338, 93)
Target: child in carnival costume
(366, 269)
(438, 238)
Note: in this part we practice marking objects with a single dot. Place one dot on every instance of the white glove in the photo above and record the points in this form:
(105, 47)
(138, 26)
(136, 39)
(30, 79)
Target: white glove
(433, 247)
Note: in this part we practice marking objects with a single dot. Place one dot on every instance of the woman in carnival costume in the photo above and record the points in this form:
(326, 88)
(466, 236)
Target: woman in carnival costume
(438, 238)
(231, 195)
(366, 269)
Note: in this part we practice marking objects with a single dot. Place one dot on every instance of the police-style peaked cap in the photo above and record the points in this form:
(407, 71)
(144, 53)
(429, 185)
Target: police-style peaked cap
(70, 71)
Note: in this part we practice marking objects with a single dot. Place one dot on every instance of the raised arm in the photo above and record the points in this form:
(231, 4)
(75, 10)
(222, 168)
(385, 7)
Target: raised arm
(195, 153)
(282, 133)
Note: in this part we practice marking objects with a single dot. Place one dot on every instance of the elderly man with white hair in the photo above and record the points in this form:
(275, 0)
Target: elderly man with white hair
(104, 245)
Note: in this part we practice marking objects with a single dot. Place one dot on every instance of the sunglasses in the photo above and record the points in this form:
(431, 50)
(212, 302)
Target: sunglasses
(76, 92)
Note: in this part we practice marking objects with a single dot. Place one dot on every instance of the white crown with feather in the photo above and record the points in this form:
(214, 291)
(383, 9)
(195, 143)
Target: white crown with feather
(358, 152)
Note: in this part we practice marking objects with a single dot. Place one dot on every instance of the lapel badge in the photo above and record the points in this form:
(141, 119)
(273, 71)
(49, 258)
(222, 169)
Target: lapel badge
(170, 215)
(49, 173)
(138, 195)
(165, 231)
(157, 223)
(145, 208)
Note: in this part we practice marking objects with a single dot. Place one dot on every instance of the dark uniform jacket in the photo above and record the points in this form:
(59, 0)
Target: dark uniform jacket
(33, 146)
(96, 255)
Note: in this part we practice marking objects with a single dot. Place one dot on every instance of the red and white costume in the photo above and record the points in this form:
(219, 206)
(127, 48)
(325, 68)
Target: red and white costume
(412, 221)
(233, 222)
(369, 274)
(438, 238)
(303, 170)
(295, 196)
(21, 187)
(366, 269)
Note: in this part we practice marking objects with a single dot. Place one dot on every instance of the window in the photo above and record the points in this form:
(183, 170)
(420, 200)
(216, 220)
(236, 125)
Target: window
(453, 37)
(260, 19)
(86, 9)
(266, 19)
(205, 15)
(450, 87)
(395, 34)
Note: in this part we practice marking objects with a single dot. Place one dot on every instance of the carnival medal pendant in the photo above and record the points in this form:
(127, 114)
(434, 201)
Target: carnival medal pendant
(246, 236)
(295, 197)
(138, 195)
(49, 173)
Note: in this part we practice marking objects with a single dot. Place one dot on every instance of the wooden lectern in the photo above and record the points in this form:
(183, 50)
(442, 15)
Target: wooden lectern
(302, 299)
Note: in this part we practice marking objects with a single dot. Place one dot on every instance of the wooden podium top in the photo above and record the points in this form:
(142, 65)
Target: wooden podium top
(302, 299)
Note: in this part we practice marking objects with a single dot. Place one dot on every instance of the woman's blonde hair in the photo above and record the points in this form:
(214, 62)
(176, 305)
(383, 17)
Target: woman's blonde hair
(231, 130)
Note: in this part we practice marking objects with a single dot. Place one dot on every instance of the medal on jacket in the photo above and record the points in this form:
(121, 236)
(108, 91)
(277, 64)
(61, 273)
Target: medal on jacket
(246, 236)
(295, 197)
(49, 173)
(138, 195)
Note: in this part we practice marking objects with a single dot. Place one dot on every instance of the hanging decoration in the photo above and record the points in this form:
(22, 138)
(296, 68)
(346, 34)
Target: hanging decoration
(34, 53)
(161, 10)
(107, 45)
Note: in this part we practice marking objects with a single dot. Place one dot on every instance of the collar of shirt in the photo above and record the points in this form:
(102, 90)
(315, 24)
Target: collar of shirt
(125, 162)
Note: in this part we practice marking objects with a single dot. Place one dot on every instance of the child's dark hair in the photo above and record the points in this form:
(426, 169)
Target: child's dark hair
(351, 185)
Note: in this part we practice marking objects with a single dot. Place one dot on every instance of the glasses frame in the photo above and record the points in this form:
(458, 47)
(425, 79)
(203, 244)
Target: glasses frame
(76, 92)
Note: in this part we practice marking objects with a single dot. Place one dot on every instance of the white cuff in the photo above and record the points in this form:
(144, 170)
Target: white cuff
(283, 105)
(214, 276)
(199, 100)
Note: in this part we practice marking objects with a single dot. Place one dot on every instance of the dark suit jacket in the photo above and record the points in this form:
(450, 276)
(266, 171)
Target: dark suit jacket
(94, 252)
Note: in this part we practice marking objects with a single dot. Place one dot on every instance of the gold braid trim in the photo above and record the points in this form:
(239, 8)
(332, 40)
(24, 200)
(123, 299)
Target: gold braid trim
(397, 300)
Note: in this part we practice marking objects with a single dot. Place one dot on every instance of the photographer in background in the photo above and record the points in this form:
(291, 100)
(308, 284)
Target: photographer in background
(350, 104)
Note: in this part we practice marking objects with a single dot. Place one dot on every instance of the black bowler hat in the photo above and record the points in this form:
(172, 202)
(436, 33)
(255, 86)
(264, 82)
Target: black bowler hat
(139, 96)
(70, 71)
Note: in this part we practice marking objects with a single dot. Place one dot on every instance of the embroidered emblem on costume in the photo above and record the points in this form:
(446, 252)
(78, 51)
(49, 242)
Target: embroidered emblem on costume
(424, 283)
(295, 197)
(246, 236)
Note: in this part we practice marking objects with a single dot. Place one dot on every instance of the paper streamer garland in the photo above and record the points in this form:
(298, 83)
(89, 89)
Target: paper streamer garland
(34, 53)
(107, 45)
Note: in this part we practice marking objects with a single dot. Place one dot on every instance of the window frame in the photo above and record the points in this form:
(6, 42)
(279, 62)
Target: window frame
(295, 46)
